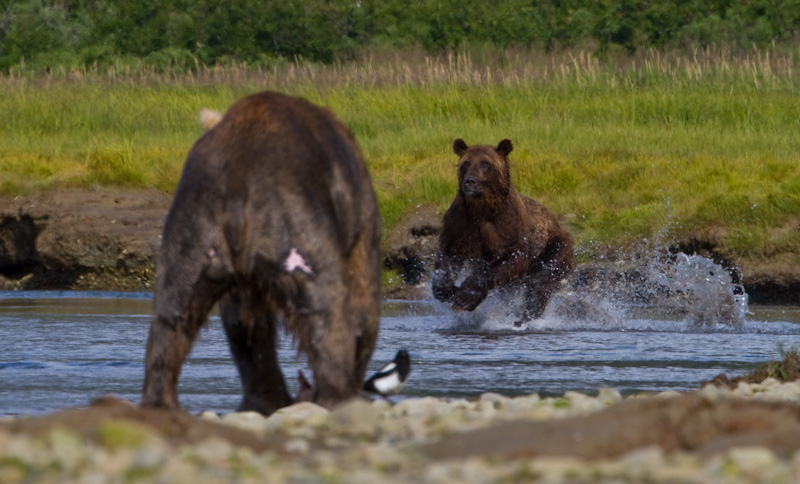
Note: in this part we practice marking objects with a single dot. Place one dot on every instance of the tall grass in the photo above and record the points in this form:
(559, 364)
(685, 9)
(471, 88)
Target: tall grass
(656, 144)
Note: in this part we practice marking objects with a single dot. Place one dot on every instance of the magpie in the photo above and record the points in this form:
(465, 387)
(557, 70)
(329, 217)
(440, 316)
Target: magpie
(391, 378)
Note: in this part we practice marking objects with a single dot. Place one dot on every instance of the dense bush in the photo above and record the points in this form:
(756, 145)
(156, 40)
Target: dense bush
(48, 33)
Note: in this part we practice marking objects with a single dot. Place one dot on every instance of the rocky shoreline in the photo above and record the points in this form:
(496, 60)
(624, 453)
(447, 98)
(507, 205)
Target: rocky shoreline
(109, 240)
(747, 434)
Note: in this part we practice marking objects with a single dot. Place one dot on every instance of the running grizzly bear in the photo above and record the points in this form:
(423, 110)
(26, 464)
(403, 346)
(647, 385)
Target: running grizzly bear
(504, 236)
(274, 217)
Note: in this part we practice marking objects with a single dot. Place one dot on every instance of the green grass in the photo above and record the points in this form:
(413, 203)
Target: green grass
(657, 145)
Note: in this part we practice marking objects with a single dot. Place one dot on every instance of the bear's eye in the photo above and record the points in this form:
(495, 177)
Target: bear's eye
(485, 165)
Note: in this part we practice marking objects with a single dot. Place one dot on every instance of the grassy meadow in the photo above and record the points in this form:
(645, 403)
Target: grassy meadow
(655, 145)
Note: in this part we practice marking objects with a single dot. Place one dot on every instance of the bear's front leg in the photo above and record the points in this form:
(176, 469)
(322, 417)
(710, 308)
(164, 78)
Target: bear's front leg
(472, 292)
(443, 286)
(445, 272)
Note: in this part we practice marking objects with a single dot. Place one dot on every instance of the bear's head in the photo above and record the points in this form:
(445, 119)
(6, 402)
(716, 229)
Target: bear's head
(483, 173)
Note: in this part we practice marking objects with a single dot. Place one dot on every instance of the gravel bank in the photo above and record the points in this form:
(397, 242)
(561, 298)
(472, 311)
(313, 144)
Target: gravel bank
(749, 434)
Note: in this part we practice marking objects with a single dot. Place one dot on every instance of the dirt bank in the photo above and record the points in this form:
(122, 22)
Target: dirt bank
(78, 239)
(109, 240)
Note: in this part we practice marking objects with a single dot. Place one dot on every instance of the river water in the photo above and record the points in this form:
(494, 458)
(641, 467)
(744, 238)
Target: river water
(61, 349)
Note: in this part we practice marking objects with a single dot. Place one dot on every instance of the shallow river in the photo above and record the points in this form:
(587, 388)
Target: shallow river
(61, 349)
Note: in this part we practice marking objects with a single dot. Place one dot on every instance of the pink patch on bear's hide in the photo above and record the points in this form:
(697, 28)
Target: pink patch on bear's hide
(296, 261)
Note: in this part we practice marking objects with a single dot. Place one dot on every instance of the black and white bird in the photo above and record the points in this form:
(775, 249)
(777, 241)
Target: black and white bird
(391, 378)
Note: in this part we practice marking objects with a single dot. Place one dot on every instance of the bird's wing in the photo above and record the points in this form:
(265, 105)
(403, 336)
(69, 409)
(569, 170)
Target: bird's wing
(388, 368)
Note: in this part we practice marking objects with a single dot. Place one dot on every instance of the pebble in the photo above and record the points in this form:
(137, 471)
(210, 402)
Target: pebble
(299, 420)
(66, 449)
(357, 418)
(297, 446)
(751, 460)
(210, 416)
(713, 393)
(668, 394)
(252, 421)
(788, 392)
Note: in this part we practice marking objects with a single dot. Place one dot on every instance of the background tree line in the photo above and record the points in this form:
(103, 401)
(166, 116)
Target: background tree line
(49, 33)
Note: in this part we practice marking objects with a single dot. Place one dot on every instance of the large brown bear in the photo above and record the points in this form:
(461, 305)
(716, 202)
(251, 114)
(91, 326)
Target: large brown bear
(504, 236)
(275, 215)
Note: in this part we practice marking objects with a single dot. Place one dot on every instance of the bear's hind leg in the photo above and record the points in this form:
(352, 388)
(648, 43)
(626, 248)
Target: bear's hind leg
(253, 340)
(545, 279)
(538, 290)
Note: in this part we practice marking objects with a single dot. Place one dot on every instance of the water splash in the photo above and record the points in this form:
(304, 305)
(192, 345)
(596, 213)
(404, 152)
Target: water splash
(692, 288)
(703, 289)
(678, 291)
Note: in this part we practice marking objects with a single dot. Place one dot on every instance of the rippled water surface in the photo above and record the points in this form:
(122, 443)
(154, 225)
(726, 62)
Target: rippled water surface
(61, 349)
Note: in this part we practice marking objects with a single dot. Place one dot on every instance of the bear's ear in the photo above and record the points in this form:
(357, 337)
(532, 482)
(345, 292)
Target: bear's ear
(460, 147)
(504, 147)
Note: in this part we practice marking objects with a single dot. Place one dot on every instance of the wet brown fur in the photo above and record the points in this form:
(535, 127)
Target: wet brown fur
(274, 174)
(504, 236)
